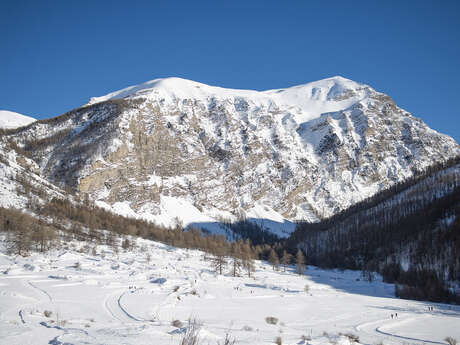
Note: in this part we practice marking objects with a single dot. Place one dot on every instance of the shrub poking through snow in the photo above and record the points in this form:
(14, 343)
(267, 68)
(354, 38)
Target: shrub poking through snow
(451, 341)
(278, 341)
(271, 320)
(228, 340)
(353, 338)
(191, 335)
(47, 313)
(176, 323)
(305, 338)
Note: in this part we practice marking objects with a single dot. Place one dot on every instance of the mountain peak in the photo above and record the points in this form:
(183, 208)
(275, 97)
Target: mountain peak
(339, 78)
(172, 87)
(310, 100)
(336, 82)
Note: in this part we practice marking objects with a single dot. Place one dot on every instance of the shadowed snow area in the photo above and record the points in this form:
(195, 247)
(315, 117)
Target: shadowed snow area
(123, 298)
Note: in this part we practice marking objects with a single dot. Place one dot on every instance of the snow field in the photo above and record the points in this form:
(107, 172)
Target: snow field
(10, 119)
(123, 299)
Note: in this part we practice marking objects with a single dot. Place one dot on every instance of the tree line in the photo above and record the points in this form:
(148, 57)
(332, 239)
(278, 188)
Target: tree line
(48, 224)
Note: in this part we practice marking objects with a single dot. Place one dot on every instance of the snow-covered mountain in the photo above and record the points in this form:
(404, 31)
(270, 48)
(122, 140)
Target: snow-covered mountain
(177, 151)
(10, 119)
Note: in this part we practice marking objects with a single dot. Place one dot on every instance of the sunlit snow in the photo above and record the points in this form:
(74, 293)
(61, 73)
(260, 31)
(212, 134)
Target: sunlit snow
(10, 119)
(111, 298)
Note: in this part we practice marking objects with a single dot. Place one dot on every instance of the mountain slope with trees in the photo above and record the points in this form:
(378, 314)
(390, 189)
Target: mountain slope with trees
(410, 234)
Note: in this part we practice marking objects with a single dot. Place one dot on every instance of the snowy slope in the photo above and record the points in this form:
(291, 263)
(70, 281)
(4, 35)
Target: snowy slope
(177, 151)
(9, 119)
(20, 181)
(123, 298)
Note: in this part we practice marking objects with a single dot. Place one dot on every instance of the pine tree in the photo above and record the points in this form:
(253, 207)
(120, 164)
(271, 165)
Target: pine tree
(300, 262)
(247, 257)
(219, 252)
(274, 260)
(219, 261)
(285, 259)
(20, 243)
(43, 237)
(237, 258)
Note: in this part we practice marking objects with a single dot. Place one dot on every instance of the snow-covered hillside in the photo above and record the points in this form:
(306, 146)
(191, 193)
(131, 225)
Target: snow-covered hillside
(177, 151)
(87, 294)
(20, 181)
(10, 119)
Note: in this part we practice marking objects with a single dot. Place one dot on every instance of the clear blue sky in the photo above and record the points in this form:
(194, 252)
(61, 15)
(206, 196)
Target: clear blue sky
(54, 55)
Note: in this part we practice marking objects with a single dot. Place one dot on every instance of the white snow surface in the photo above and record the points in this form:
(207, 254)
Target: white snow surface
(125, 299)
(10, 119)
(308, 101)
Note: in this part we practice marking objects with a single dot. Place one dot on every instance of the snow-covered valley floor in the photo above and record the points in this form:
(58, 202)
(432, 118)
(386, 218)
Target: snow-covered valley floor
(124, 299)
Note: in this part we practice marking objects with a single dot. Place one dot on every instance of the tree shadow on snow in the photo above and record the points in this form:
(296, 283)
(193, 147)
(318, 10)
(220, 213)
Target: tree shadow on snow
(422, 308)
(259, 230)
(350, 282)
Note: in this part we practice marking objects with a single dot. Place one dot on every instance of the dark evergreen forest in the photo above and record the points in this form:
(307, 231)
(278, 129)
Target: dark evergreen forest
(409, 233)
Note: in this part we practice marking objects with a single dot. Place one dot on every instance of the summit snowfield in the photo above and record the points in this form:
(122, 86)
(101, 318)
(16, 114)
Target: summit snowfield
(10, 119)
(308, 101)
(176, 151)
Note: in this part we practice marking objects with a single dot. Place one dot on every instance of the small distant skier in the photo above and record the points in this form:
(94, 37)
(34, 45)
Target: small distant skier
(392, 316)
(396, 315)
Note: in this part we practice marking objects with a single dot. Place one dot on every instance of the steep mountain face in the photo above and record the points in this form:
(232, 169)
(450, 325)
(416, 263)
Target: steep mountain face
(173, 150)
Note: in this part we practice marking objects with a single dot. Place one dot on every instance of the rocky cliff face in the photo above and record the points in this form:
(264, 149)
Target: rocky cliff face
(173, 150)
